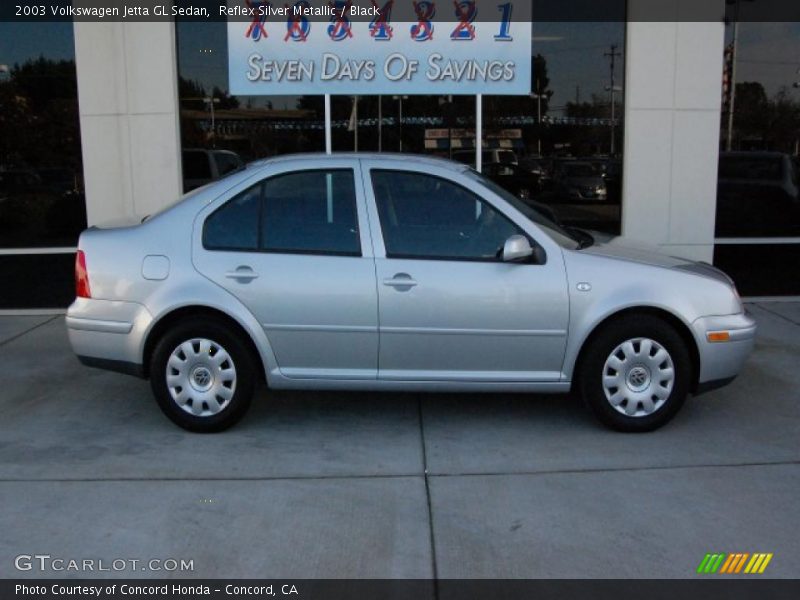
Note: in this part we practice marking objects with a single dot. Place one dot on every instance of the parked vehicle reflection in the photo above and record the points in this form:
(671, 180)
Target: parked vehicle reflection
(757, 195)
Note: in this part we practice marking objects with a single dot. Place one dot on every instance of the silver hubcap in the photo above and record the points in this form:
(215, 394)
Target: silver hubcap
(201, 377)
(638, 377)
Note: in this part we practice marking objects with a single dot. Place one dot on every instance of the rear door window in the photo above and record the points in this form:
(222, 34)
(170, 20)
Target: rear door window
(311, 212)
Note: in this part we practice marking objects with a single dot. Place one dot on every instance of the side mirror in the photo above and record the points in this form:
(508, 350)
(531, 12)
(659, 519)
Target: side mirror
(517, 249)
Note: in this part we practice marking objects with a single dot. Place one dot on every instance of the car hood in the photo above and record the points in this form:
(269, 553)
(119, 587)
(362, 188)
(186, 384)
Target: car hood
(585, 181)
(626, 249)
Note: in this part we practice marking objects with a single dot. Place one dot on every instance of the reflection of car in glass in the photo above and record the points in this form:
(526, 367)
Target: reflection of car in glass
(579, 180)
(204, 166)
(539, 167)
(610, 169)
(395, 272)
(757, 195)
(488, 156)
(519, 181)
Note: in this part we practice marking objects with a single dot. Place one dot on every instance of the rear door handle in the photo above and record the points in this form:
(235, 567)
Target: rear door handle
(242, 274)
(402, 282)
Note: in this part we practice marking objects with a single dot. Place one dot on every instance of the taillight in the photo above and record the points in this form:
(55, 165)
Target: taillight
(82, 289)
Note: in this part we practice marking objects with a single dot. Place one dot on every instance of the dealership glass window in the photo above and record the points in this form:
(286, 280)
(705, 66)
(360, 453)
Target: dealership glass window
(251, 127)
(758, 192)
(41, 191)
(566, 136)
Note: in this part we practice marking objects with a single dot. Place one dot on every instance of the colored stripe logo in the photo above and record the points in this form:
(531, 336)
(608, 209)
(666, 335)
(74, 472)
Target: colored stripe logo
(734, 563)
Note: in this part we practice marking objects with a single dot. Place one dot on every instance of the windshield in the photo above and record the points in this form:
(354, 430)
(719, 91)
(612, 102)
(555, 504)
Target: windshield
(582, 170)
(557, 233)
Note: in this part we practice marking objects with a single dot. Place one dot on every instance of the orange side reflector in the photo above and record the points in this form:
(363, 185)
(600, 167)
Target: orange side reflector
(718, 336)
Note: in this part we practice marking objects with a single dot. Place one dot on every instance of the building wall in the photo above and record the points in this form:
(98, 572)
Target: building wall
(127, 89)
(673, 86)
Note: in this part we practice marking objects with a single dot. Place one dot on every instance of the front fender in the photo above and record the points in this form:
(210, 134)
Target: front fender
(616, 286)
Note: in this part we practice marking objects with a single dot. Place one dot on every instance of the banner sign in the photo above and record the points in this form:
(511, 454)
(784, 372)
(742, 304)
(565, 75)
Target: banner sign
(442, 47)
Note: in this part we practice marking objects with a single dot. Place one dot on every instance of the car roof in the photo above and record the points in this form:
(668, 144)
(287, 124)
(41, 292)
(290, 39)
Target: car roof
(433, 161)
(755, 154)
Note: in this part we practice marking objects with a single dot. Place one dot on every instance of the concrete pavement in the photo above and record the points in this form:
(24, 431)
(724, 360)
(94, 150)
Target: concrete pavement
(318, 485)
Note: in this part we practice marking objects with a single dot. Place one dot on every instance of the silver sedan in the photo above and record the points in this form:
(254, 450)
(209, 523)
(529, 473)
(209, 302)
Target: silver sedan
(394, 272)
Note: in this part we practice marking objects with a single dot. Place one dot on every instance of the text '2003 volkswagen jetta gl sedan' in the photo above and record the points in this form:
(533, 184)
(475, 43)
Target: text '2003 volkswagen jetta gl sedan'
(382, 272)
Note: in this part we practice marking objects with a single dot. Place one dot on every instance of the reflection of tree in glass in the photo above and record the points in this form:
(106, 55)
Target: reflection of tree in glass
(763, 123)
(40, 155)
(39, 123)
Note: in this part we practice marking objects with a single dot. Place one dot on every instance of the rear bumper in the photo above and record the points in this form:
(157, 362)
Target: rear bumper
(721, 362)
(108, 334)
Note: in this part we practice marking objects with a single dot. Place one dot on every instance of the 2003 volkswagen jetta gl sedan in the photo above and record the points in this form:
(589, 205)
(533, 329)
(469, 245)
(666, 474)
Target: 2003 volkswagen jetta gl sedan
(382, 272)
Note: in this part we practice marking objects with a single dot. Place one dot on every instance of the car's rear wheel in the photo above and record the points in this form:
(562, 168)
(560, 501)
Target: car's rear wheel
(202, 375)
(635, 373)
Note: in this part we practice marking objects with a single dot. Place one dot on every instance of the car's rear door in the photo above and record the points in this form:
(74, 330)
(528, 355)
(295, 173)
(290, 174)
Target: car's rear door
(449, 308)
(294, 247)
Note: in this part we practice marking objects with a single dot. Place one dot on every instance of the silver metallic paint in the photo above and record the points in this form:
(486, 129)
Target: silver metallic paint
(329, 322)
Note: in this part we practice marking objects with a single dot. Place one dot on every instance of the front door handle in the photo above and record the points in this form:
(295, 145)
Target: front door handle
(402, 282)
(242, 274)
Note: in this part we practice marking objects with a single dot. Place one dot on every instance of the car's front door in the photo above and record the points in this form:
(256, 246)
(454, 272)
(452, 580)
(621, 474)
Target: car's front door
(449, 308)
(294, 249)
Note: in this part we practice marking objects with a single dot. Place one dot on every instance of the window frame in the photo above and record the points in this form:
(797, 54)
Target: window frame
(260, 249)
(484, 202)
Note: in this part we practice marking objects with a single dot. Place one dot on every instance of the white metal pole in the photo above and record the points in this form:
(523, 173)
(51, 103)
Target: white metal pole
(613, 118)
(731, 107)
(400, 124)
(538, 118)
(479, 132)
(213, 126)
(328, 144)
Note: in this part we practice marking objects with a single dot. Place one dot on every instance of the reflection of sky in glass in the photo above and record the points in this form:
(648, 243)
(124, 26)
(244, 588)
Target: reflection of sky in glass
(768, 53)
(575, 58)
(20, 42)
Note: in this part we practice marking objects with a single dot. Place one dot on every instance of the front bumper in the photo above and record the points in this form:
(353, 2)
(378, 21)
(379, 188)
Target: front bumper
(720, 362)
(108, 334)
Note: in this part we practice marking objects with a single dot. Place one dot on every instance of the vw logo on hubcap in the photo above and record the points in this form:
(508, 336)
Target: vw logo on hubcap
(201, 378)
(638, 378)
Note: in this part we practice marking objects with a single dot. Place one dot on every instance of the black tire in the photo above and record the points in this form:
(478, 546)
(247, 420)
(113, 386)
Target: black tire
(242, 388)
(593, 361)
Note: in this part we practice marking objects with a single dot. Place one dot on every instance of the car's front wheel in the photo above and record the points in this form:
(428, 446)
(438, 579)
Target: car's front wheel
(635, 373)
(202, 375)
